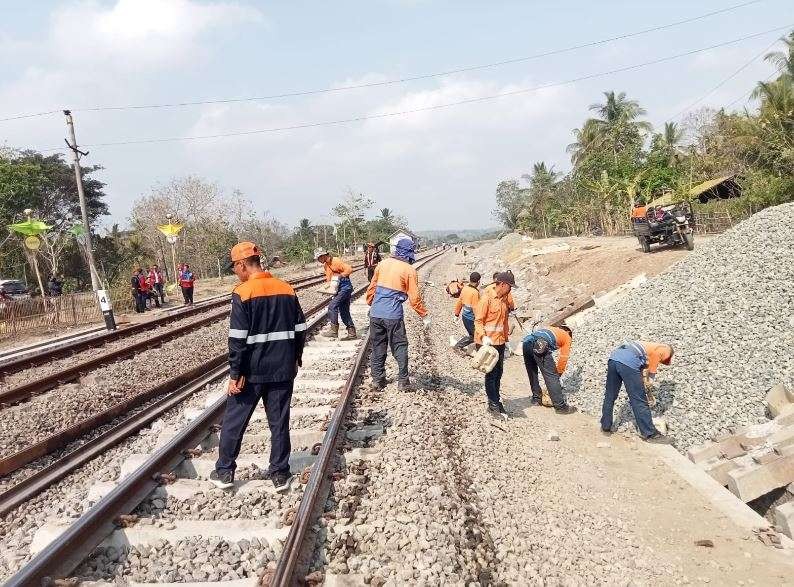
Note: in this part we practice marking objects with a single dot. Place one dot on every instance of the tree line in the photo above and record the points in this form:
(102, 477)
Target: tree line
(213, 221)
(617, 159)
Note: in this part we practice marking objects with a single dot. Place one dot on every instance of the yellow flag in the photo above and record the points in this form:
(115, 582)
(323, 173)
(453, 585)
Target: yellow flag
(170, 229)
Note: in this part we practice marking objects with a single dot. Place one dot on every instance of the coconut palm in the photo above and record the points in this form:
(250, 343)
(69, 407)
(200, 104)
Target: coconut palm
(618, 110)
(784, 60)
(586, 138)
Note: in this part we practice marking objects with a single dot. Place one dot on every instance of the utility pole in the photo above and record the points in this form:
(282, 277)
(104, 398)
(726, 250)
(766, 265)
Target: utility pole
(102, 295)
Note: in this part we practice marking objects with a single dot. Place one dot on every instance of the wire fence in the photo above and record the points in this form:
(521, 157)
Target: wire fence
(42, 315)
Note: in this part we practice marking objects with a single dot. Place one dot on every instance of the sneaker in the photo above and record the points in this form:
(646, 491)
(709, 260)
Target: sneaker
(497, 409)
(404, 385)
(378, 385)
(536, 403)
(280, 480)
(222, 479)
(565, 410)
(659, 439)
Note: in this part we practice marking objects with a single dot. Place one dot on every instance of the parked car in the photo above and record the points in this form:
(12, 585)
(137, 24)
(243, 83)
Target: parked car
(14, 289)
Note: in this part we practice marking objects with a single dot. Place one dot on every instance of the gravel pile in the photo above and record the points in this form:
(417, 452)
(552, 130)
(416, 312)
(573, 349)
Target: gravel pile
(727, 309)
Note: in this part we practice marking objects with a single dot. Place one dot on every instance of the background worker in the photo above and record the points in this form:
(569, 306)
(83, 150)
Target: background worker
(490, 289)
(337, 272)
(267, 332)
(538, 347)
(371, 260)
(491, 329)
(464, 307)
(186, 281)
(135, 286)
(625, 365)
(394, 282)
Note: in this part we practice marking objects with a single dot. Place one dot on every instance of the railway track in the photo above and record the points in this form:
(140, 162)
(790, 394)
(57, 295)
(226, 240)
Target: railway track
(141, 515)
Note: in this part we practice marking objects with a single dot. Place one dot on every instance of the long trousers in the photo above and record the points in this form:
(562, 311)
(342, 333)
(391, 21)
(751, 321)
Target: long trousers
(545, 364)
(618, 374)
(158, 291)
(493, 380)
(140, 302)
(239, 408)
(468, 324)
(187, 293)
(370, 273)
(340, 305)
(386, 333)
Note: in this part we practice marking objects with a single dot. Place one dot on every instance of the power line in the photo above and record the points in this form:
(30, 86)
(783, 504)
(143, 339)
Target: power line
(402, 80)
(724, 81)
(437, 106)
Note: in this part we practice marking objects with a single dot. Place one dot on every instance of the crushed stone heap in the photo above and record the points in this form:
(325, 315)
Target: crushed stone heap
(728, 311)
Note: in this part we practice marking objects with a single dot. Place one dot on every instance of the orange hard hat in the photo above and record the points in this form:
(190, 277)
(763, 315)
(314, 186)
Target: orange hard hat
(244, 250)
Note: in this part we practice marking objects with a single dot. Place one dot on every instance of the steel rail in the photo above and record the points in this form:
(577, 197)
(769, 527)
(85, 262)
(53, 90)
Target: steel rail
(66, 552)
(293, 545)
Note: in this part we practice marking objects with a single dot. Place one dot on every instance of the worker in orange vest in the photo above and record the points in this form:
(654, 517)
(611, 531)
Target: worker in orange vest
(538, 347)
(490, 289)
(626, 366)
(491, 329)
(464, 308)
(337, 272)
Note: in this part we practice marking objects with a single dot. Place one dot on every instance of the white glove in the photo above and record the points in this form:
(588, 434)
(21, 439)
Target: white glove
(486, 341)
(427, 322)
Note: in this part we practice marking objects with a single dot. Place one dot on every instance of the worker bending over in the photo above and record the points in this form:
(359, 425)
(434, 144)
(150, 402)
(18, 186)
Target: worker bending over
(491, 329)
(538, 347)
(337, 273)
(267, 332)
(464, 308)
(491, 289)
(393, 282)
(626, 365)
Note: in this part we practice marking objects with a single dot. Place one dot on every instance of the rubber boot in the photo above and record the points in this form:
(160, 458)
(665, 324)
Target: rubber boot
(351, 333)
(330, 331)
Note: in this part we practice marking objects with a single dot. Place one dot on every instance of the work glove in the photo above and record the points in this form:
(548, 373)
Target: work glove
(427, 322)
(486, 341)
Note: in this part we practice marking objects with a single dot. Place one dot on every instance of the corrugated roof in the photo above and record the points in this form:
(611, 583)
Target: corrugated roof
(707, 185)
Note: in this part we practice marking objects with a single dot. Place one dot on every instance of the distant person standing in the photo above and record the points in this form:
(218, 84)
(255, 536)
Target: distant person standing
(54, 286)
(186, 281)
(267, 333)
(156, 282)
(135, 286)
(394, 282)
(371, 260)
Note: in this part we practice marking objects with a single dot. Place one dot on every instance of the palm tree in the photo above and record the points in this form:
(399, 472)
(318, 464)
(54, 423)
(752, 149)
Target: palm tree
(542, 182)
(670, 140)
(386, 216)
(586, 138)
(619, 110)
(784, 60)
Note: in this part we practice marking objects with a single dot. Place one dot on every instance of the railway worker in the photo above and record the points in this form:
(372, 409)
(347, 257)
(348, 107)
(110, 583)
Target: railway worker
(625, 366)
(538, 347)
(371, 260)
(337, 273)
(267, 332)
(491, 329)
(394, 282)
(491, 289)
(186, 280)
(464, 308)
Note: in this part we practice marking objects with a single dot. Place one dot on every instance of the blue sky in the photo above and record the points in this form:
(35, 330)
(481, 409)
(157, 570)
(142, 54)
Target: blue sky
(437, 168)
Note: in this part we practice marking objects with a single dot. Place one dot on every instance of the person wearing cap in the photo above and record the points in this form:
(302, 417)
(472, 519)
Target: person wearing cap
(538, 347)
(491, 329)
(490, 289)
(267, 333)
(393, 282)
(626, 366)
(371, 260)
(464, 308)
(337, 272)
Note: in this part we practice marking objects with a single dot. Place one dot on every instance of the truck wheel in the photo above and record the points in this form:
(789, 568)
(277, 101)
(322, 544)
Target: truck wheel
(645, 244)
(689, 241)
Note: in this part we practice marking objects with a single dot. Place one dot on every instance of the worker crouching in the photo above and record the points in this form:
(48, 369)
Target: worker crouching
(393, 282)
(626, 366)
(337, 273)
(491, 329)
(538, 347)
(464, 307)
